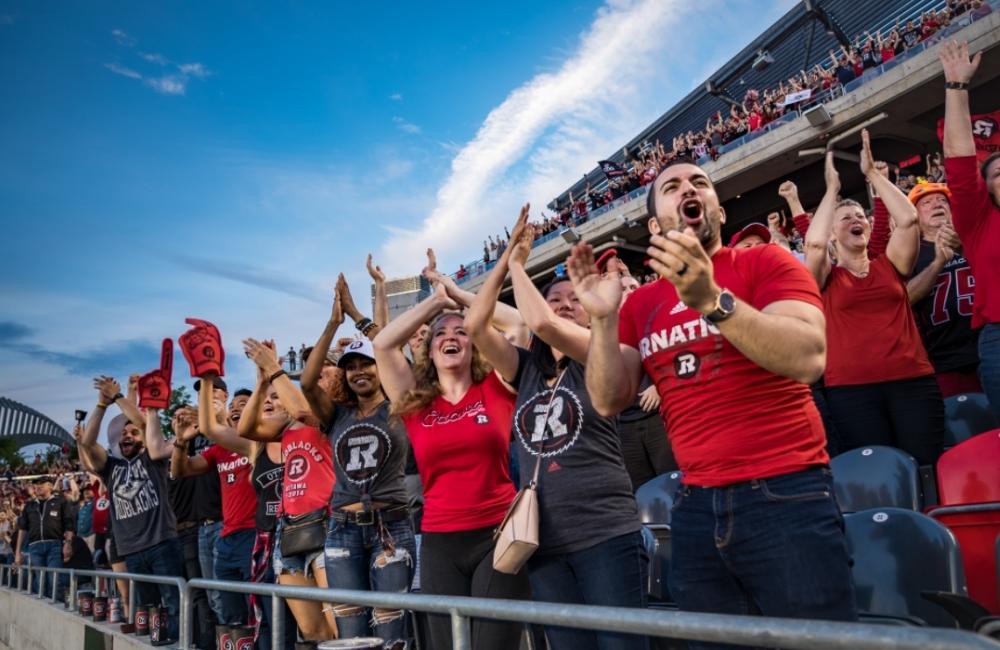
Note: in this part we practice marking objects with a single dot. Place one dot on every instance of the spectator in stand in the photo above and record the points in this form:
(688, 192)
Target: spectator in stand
(940, 291)
(731, 338)
(844, 67)
(975, 190)
(880, 387)
(590, 547)
(753, 234)
(458, 416)
(935, 168)
(85, 516)
(143, 524)
(291, 358)
(46, 521)
(460, 275)
(232, 551)
(277, 411)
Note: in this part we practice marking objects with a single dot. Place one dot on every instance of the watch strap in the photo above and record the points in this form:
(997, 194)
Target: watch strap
(956, 85)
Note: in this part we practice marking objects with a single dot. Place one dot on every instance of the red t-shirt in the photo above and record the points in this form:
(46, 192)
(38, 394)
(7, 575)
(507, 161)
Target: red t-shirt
(871, 334)
(888, 54)
(239, 500)
(309, 478)
(463, 453)
(977, 221)
(729, 420)
(99, 521)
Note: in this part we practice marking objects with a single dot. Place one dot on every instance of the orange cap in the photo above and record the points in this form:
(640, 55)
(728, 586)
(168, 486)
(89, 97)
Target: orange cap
(923, 188)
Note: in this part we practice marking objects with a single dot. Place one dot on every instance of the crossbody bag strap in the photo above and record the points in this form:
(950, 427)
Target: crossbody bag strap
(538, 461)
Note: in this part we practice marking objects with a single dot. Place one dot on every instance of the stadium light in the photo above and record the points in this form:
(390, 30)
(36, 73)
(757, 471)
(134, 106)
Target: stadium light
(570, 236)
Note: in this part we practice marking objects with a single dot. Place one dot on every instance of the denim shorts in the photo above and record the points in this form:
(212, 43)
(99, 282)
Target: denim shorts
(302, 564)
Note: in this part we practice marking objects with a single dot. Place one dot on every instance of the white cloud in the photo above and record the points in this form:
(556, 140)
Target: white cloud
(158, 59)
(168, 84)
(194, 70)
(570, 117)
(406, 127)
(396, 97)
(123, 71)
(123, 38)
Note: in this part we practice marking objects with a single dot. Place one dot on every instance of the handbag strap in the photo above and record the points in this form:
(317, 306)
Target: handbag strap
(548, 407)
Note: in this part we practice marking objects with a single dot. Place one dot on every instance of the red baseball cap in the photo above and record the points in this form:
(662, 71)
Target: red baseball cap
(602, 261)
(758, 229)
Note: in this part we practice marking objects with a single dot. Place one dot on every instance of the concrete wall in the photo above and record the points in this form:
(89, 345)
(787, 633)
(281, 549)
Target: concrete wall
(27, 623)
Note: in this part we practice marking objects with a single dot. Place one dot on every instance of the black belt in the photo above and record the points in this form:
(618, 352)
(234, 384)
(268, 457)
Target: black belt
(369, 517)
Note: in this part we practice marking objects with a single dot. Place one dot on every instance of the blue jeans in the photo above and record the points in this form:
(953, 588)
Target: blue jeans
(355, 558)
(232, 562)
(989, 364)
(612, 573)
(771, 546)
(48, 554)
(164, 559)
(208, 537)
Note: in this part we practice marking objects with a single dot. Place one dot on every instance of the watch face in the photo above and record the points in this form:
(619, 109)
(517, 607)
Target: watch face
(727, 302)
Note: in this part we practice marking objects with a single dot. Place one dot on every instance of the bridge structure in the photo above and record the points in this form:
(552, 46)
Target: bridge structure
(29, 427)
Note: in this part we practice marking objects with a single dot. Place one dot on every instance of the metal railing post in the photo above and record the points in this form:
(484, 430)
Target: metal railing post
(184, 625)
(28, 588)
(460, 631)
(73, 584)
(277, 621)
(131, 601)
(55, 585)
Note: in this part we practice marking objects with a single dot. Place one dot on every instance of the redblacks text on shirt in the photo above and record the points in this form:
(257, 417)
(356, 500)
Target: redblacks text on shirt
(729, 420)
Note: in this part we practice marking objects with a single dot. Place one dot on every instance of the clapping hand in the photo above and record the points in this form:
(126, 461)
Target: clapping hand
(599, 295)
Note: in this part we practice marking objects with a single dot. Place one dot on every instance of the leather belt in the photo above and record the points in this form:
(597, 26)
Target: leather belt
(369, 517)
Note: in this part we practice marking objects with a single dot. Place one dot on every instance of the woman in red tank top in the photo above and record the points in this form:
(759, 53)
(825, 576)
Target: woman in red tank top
(277, 410)
(880, 386)
(458, 416)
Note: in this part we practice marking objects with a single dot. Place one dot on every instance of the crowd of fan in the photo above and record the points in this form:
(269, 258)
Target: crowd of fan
(423, 427)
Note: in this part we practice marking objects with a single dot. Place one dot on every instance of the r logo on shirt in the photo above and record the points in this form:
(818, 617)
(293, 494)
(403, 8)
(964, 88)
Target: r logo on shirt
(298, 465)
(686, 365)
(361, 450)
(553, 434)
(482, 418)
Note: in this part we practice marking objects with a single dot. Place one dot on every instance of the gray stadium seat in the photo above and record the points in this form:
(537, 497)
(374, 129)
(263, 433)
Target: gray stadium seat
(655, 498)
(965, 416)
(874, 477)
(907, 566)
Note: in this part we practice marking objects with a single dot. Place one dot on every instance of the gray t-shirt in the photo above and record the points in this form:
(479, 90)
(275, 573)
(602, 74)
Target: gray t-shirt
(369, 455)
(141, 516)
(584, 493)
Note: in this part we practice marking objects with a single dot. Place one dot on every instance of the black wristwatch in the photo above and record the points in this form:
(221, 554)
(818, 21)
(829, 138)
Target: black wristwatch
(117, 397)
(956, 85)
(725, 305)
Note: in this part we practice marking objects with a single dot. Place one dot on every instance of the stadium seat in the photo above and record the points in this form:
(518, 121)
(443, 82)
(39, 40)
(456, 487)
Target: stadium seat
(907, 566)
(967, 415)
(659, 564)
(656, 497)
(970, 472)
(876, 477)
(969, 494)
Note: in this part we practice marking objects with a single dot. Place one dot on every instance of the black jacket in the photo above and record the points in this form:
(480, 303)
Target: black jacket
(46, 520)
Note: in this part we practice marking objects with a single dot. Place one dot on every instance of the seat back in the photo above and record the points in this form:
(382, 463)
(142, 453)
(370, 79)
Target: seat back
(970, 472)
(967, 415)
(655, 498)
(659, 564)
(977, 529)
(898, 554)
(876, 477)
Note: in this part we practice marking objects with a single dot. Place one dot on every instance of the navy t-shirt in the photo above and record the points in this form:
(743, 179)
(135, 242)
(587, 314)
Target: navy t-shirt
(584, 493)
(141, 516)
(369, 456)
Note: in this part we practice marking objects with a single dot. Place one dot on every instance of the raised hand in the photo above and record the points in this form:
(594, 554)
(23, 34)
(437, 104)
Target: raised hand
(441, 296)
(830, 174)
(958, 67)
(185, 423)
(867, 161)
(108, 387)
(133, 388)
(600, 295)
(432, 262)
(346, 300)
(337, 310)
(788, 191)
(774, 221)
(374, 270)
(262, 354)
(679, 258)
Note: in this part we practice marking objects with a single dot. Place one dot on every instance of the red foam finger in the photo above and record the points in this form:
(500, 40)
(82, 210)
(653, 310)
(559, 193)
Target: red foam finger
(154, 390)
(202, 347)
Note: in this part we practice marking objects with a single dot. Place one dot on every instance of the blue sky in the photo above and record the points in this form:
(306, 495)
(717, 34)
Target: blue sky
(227, 160)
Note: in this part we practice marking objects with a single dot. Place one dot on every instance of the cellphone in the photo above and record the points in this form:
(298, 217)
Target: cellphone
(560, 269)
(81, 415)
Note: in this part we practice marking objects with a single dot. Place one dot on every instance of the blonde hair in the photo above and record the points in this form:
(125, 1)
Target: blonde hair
(427, 387)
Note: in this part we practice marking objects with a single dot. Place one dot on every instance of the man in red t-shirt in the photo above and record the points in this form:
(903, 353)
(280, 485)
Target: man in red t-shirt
(234, 548)
(732, 338)
(975, 206)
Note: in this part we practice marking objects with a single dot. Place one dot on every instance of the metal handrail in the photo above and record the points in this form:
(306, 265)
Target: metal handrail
(791, 634)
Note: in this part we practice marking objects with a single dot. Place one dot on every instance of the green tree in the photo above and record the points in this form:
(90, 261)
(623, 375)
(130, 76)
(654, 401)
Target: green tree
(9, 453)
(178, 398)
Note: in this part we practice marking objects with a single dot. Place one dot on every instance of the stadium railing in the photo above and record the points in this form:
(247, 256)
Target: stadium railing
(791, 634)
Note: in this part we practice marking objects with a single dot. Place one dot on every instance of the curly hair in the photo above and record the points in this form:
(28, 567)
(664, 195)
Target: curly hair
(426, 385)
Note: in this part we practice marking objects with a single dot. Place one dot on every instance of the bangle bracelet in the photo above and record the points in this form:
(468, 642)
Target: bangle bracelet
(363, 323)
(956, 85)
(278, 373)
(102, 405)
(367, 328)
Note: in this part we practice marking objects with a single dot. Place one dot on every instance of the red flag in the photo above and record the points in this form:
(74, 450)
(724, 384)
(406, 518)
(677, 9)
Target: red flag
(985, 132)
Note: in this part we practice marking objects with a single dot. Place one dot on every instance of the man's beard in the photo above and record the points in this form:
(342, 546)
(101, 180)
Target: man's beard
(707, 232)
(134, 450)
